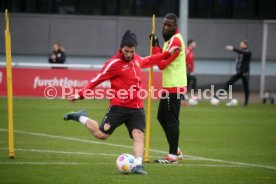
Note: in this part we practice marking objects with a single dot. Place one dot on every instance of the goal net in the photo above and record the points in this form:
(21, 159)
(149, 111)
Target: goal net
(268, 73)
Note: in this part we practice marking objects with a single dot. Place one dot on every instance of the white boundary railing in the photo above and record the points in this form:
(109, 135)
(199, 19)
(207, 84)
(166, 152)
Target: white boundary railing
(48, 65)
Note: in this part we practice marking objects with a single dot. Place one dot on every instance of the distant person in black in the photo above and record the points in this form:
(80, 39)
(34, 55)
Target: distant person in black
(242, 68)
(58, 55)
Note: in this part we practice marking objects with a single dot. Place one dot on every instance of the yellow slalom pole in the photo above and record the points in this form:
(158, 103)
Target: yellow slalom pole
(147, 141)
(9, 85)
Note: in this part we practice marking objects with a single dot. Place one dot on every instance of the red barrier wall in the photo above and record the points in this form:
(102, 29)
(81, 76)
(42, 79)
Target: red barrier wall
(31, 82)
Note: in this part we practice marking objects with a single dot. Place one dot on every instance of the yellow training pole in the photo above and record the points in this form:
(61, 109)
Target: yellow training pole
(9, 86)
(147, 141)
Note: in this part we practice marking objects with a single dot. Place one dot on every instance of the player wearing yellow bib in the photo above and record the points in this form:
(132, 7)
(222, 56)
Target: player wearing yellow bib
(174, 82)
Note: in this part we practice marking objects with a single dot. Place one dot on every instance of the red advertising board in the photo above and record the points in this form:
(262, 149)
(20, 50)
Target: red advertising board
(33, 82)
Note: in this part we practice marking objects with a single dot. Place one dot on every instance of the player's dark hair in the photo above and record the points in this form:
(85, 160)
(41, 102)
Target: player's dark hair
(245, 42)
(171, 16)
(190, 41)
(59, 46)
(129, 39)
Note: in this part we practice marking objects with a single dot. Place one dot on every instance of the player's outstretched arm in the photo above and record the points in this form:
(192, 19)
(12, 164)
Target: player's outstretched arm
(155, 59)
(174, 49)
(109, 70)
(73, 98)
(229, 47)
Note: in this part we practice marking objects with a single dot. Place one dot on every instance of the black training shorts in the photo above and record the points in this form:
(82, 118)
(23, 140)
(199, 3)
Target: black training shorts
(116, 116)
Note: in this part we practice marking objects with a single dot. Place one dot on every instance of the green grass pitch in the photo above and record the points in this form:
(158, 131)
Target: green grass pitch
(221, 145)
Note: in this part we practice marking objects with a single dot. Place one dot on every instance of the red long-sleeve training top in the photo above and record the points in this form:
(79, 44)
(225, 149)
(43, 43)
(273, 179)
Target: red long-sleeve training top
(190, 60)
(124, 76)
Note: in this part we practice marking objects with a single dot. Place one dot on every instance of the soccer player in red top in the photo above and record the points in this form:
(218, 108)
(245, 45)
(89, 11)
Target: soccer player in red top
(191, 78)
(174, 83)
(124, 72)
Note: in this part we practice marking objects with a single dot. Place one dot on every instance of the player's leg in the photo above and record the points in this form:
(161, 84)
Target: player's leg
(93, 127)
(113, 118)
(189, 78)
(230, 82)
(173, 118)
(194, 82)
(138, 150)
(162, 115)
(136, 126)
(245, 82)
(172, 115)
(138, 145)
(90, 124)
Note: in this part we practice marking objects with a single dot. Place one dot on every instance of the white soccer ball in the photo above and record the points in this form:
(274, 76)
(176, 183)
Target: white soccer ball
(193, 101)
(232, 102)
(125, 163)
(214, 101)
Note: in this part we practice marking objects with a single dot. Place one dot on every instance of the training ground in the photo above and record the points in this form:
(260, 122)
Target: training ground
(221, 145)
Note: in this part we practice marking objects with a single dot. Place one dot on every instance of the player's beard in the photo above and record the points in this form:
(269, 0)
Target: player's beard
(167, 36)
(127, 59)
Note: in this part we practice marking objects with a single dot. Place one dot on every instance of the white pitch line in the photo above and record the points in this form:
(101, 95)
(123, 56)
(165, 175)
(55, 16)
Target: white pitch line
(82, 163)
(43, 163)
(232, 162)
(67, 138)
(65, 152)
(200, 165)
(157, 151)
(62, 152)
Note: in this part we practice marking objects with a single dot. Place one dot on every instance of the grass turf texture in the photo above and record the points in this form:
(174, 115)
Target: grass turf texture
(50, 150)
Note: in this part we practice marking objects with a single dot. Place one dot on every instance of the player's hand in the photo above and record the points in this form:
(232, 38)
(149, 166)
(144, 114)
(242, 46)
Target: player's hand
(229, 47)
(73, 98)
(53, 56)
(155, 41)
(174, 49)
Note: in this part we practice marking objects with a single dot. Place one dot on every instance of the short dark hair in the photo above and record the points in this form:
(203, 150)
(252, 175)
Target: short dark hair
(190, 41)
(129, 39)
(171, 16)
(245, 42)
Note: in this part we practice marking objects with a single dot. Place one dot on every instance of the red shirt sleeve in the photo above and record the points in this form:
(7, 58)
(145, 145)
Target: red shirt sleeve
(109, 70)
(164, 63)
(150, 61)
(156, 50)
(174, 42)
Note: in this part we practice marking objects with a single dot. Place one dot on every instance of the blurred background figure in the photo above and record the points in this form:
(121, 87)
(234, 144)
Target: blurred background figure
(243, 59)
(242, 68)
(191, 78)
(57, 55)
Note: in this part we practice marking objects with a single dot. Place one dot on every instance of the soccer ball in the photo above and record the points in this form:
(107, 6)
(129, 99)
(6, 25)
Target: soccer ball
(214, 101)
(232, 102)
(193, 101)
(125, 163)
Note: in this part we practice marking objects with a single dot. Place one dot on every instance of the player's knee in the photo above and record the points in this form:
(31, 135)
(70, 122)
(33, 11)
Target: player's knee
(101, 136)
(137, 134)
